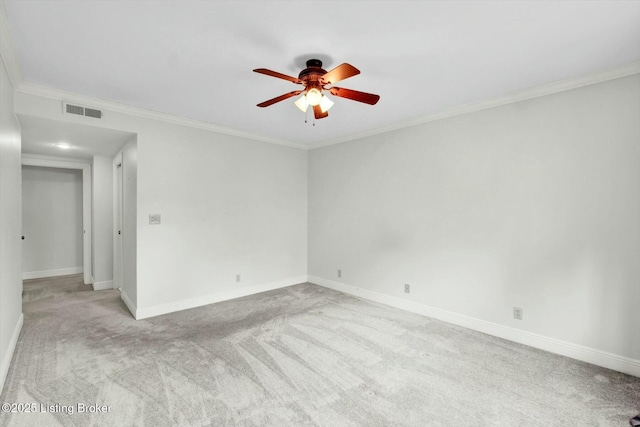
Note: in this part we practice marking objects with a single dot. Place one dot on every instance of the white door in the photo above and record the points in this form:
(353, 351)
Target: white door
(87, 225)
(117, 221)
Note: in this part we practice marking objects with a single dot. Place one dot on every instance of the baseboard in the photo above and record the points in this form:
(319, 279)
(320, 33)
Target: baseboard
(160, 309)
(101, 286)
(553, 345)
(130, 305)
(6, 358)
(51, 273)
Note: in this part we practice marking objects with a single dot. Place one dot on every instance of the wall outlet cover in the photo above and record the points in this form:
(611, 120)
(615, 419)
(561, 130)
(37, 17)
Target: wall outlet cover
(517, 313)
(407, 288)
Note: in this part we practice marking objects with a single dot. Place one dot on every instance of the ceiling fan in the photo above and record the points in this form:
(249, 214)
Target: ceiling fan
(315, 80)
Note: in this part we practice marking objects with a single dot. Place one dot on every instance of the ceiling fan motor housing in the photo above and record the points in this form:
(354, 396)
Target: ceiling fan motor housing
(311, 75)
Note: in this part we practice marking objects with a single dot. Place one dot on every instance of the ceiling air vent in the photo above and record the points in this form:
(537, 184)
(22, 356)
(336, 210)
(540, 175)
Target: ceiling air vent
(90, 112)
(82, 111)
(75, 109)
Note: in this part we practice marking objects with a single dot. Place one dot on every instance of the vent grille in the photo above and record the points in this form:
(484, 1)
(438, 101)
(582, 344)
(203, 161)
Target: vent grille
(90, 112)
(82, 111)
(74, 109)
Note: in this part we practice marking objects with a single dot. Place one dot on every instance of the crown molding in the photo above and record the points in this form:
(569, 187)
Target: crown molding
(12, 65)
(7, 52)
(117, 107)
(517, 96)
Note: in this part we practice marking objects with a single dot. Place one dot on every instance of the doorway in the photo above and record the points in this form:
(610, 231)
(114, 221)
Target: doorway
(83, 170)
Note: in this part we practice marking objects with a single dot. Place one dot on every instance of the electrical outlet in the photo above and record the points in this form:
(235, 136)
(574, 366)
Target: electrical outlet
(238, 278)
(154, 219)
(517, 313)
(407, 288)
(339, 273)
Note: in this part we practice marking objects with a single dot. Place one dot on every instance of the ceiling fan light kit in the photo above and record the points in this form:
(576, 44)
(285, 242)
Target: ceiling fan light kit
(313, 97)
(302, 103)
(316, 80)
(325, 104)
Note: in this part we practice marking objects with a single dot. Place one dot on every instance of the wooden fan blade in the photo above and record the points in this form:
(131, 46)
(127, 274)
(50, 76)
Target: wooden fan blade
(279, 98)
(318, 114)
(367, 98)
(278, 75)
(341, 72)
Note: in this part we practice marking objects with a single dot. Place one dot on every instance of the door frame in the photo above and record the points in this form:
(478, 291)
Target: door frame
(118, 207)
(85, 167)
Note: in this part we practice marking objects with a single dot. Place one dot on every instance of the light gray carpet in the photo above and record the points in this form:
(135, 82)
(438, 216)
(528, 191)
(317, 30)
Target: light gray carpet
(302, 355)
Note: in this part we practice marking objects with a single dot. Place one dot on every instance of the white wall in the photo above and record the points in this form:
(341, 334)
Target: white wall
(229, 206)
(534, 204)
(102, 209)
(531, 204)
(129, 221)
(10, 226)
(52, 221)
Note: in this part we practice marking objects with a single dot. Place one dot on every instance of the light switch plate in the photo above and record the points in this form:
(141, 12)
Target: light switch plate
(154, 219)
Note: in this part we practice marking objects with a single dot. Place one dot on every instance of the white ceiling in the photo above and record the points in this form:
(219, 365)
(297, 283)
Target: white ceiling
(195, 59)
(40, 136)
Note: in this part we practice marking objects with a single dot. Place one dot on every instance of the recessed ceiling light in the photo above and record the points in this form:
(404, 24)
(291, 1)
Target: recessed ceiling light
(62, 145)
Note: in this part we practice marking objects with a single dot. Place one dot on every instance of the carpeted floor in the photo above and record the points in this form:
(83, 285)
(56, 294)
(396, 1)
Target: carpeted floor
(303, 355)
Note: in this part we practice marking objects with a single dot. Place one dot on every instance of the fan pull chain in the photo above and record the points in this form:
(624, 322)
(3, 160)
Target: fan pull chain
(306, 118)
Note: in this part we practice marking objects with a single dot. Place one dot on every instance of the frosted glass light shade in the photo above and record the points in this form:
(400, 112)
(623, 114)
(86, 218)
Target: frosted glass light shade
(302, 103)
(314, 97)
(325, 104)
